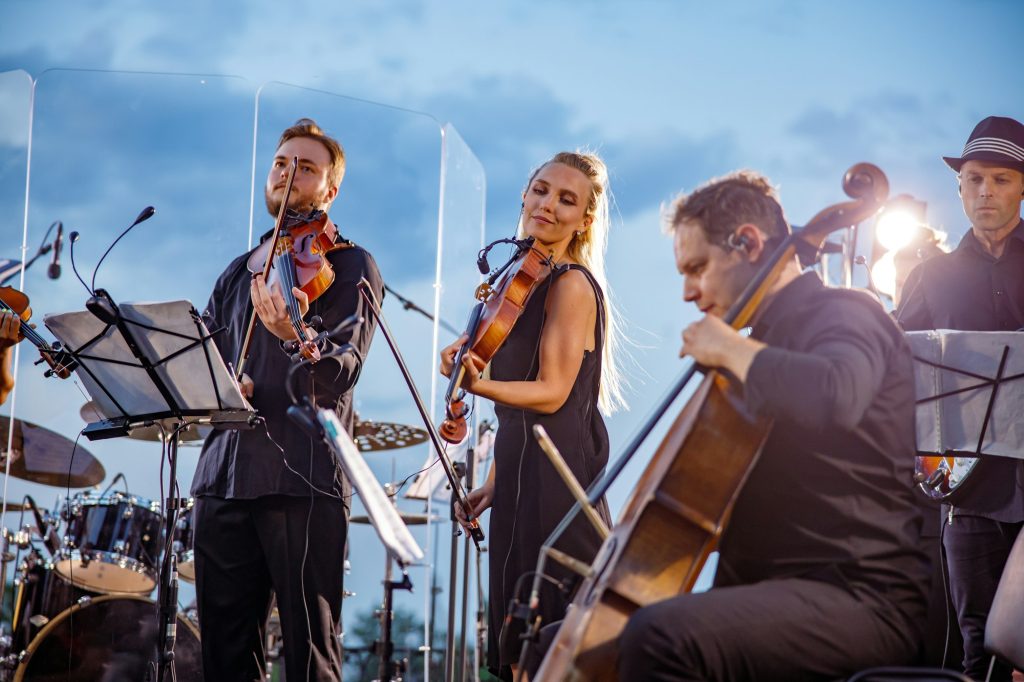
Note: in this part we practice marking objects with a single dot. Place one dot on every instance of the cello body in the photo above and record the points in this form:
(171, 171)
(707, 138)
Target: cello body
(671, 524)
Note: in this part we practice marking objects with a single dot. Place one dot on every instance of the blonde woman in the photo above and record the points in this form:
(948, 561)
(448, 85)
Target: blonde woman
(556, 369)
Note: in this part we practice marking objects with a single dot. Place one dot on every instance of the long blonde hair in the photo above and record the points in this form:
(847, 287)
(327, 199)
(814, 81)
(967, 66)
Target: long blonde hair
(588, 249)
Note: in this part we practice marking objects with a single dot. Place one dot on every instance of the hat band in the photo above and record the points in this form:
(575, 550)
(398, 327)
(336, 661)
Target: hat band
(997, 145)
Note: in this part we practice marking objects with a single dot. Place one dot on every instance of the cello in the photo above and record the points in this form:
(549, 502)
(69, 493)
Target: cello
(680, 507)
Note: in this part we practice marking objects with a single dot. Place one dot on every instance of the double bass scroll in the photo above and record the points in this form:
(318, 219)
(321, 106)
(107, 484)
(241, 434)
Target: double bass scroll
(682, 502)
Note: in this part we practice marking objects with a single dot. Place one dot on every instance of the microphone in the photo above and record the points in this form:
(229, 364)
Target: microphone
(481, 263)
(54, 271)
(143, 216)
(73, 237)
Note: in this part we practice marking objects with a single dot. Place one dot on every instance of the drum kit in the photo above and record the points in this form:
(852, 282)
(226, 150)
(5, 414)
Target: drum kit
(85, 571)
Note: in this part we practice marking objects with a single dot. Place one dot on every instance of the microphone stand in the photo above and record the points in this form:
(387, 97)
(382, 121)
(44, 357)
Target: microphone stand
(458, 494)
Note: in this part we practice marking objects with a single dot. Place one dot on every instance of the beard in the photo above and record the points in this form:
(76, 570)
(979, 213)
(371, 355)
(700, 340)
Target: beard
(295, 203)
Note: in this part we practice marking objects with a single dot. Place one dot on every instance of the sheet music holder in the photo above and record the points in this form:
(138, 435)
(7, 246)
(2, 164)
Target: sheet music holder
(393, 532)
(157, 363)
(144, 363)
(970, 392)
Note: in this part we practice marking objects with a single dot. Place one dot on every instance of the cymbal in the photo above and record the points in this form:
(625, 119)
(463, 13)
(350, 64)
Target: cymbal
(371, 436)
(191, 437)
(410, 519)
(42, 456)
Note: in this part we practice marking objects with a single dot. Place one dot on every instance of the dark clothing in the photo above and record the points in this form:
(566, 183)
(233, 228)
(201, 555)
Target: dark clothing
(530, 498)
(249, 464)
(792, 630)
(820, 572)
(245, 548)
(257, 491)
(977, 549)
(969, 290)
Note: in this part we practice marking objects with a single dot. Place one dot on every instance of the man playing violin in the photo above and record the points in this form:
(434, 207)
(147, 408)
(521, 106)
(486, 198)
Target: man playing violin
(10, 324)
(819, 572)
(271, 506)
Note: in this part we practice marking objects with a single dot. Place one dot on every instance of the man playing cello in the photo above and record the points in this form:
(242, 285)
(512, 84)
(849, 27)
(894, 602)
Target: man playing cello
(819, 573)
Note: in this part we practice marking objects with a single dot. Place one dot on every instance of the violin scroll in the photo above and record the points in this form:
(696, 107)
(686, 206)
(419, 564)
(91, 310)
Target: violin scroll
(60, 361)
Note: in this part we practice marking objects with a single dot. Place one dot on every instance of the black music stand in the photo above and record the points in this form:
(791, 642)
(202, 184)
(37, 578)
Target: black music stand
(146, 364)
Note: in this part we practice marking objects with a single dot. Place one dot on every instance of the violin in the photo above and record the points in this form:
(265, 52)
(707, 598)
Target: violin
(490, 323)
(295, 257)
(681, 505)
(60, 361)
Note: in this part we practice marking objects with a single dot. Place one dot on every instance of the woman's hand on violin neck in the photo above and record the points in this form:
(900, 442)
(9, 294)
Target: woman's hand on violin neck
(272, 310)
(479, 500)
(10, 327)
(713, 343)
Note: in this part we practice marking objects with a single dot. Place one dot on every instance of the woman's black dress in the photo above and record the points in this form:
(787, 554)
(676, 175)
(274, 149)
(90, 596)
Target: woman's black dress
(530, 498)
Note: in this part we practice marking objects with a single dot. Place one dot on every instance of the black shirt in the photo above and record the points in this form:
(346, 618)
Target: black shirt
(831, 496)
(970, 290)
(273, 460)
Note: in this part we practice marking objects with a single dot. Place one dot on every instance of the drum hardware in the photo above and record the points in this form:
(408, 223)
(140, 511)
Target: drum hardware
(409, 518)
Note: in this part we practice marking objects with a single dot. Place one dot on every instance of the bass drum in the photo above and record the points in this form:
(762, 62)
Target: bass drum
(107, 639)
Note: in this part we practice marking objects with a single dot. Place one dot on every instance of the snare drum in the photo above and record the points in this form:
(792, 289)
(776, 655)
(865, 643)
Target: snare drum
(182, 543)
(111, 544)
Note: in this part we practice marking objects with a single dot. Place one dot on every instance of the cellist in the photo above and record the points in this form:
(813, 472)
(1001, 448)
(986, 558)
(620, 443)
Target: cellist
(271, 508)
(819, 573)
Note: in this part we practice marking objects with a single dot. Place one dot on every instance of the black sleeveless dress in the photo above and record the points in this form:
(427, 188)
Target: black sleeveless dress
(530, 498)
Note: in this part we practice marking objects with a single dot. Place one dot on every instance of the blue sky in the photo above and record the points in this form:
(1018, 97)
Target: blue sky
(670, 93)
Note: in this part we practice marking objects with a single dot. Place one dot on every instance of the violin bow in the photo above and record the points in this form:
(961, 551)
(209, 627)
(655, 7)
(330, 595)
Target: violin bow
(243, 352)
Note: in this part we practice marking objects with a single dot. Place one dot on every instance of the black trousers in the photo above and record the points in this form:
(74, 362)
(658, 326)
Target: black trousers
(976, 552)
(786, 630)
(244, 549)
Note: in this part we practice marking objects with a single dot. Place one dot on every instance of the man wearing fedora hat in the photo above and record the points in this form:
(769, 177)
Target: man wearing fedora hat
(979, 287)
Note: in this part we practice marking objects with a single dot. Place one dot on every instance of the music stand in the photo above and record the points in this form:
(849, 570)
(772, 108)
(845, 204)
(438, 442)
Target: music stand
(392, 531)
(152, 363)
(970, 388)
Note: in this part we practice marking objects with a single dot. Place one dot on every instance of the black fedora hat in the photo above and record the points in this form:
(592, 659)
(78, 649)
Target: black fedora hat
(997, 139)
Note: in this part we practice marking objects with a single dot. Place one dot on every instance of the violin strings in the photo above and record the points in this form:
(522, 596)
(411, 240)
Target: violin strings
(26, 329)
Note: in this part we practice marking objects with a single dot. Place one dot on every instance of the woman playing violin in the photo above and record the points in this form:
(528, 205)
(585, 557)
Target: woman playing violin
(556, 368)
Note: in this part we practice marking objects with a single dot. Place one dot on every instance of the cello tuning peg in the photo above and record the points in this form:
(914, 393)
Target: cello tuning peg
(316, 322)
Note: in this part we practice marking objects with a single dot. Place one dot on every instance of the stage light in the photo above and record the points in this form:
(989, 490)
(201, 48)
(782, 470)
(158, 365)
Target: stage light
(896, 228)
(883, 274)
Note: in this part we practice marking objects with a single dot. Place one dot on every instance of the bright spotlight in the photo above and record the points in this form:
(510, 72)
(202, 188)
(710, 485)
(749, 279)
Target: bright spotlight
(896, 229)
(883, 274)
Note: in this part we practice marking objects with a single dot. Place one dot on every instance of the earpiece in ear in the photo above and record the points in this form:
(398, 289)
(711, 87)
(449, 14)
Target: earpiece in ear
(738, 243)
